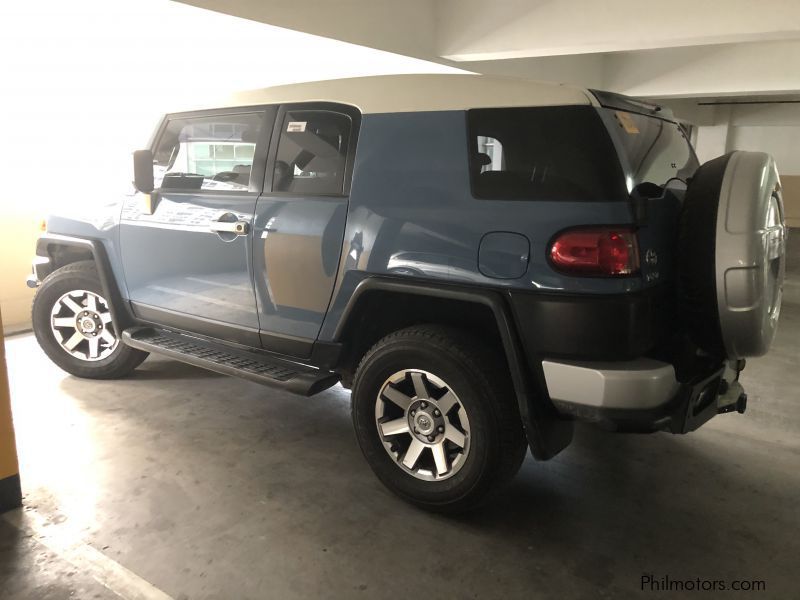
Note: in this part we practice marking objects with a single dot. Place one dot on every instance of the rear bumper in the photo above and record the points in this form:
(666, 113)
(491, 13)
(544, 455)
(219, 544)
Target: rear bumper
(592, 327)
(641, 395)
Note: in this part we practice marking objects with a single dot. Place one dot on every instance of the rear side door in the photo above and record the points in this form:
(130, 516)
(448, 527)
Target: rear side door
(300, 220)
(186, 250)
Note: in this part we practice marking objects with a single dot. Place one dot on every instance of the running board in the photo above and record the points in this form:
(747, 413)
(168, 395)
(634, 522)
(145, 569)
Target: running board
(266, 370)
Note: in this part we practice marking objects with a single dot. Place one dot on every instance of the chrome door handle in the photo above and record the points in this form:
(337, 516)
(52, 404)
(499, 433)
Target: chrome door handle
(237, 227)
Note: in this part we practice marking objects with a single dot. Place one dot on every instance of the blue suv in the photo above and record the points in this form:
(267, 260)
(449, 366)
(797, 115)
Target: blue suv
(482, 260)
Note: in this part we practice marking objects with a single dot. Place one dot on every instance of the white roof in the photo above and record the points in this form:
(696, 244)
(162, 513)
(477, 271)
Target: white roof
(412, 93)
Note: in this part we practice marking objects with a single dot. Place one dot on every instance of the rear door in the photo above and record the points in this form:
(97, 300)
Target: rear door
(658, 160)
(300, 220)
(186, 252)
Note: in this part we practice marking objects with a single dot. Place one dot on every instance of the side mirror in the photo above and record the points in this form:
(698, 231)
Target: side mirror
(143, 171)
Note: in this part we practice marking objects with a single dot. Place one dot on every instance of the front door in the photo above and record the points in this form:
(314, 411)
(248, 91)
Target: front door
(300, 220)
(186, 250)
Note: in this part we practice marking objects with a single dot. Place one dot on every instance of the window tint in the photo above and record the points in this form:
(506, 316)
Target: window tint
(548, 153)
(657, 150)
(312, 153)
(208, 153)
(490, 154)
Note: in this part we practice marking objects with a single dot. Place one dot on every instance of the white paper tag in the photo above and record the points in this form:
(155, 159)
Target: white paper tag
(295, 126)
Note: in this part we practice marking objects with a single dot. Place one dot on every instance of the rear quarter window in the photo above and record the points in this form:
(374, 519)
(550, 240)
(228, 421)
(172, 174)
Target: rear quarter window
(657, 150)
(543, 153)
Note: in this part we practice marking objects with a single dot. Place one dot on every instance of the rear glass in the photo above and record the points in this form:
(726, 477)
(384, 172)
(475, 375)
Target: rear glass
(656, 150)
(544, 153)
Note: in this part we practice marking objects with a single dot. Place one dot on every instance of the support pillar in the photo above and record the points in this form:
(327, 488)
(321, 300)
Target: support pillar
(10, 490)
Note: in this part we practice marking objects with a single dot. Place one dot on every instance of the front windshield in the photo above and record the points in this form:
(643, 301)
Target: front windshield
(656, 151)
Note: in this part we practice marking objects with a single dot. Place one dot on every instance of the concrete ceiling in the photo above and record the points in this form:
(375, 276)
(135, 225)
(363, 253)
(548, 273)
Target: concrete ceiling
(685, 48)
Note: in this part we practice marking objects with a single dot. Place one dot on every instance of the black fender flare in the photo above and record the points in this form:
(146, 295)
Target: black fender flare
(119, 307)
(547, 434)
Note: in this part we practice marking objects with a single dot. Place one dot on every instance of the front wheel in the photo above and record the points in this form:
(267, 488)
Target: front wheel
(73, 324)
(436, 417)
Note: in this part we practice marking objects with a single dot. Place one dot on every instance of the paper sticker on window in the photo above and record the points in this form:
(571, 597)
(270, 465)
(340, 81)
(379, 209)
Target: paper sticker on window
(295, 126)
(627, 122)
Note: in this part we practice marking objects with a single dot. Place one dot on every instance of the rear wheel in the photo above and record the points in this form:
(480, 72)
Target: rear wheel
(73, 324)
(436, 418)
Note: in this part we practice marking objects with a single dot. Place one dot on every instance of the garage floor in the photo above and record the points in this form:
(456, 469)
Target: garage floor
(185, 484)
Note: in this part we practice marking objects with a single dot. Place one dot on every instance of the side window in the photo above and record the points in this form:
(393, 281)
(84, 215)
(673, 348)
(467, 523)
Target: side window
(543, 153)
(207, 153)
(490, 154)
(312, 152)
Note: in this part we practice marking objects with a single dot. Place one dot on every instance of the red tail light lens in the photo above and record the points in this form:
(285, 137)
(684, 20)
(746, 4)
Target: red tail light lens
(602, 251)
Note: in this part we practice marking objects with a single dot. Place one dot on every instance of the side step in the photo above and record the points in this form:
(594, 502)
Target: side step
(260, 368)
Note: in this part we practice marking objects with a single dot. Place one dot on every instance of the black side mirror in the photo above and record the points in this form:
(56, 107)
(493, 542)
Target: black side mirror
(143, 171)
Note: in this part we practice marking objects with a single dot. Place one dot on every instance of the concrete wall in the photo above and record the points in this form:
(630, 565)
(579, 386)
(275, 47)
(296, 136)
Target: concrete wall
(764, 127)
(406, 27)
(20, 230)
(781, 142)
(479, 30)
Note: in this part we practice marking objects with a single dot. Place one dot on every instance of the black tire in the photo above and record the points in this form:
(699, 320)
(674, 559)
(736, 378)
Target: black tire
(696, 265)
(78, 276)
(482, 383)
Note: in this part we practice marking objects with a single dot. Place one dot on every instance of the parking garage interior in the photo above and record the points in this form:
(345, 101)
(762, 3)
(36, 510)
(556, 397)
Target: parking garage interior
(178, 482)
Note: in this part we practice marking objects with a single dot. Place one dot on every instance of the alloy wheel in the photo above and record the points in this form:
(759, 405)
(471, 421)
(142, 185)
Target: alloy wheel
(423, 425)
(82, 326)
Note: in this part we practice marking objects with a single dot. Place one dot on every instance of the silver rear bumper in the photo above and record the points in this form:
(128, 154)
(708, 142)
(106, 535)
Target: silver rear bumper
(639, 384)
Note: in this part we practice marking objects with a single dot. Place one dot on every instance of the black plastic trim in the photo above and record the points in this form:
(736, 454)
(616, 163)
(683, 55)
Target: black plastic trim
(300, 348)
(547, 434)
(591, 326)
(10, 493)
(119, 307)
(163, 317)
(221, 358)
(325, 355)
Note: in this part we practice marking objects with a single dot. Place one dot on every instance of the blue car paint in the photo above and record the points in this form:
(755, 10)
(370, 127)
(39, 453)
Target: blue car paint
(410, 213)
(411, 195)
(504, 255)
(173, 261)
(296, 241)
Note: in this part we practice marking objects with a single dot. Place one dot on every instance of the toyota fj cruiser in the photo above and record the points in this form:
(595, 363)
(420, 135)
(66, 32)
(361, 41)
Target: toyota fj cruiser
(482, 260)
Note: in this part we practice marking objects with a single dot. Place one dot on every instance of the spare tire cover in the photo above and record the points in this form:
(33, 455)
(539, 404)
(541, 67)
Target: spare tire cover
(732, 255)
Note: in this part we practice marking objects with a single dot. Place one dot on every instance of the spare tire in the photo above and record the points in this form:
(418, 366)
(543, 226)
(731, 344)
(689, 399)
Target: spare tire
(732, 255)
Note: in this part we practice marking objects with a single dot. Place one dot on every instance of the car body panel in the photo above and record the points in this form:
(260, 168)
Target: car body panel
(411, 198)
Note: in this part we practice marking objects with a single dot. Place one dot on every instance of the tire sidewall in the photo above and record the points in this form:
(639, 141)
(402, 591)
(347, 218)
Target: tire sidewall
(54, 287)
(471, 390)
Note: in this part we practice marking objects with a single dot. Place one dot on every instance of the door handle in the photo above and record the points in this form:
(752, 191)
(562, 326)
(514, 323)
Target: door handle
(237, 227)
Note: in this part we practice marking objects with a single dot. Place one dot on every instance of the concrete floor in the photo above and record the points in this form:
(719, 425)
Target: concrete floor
(185, 484)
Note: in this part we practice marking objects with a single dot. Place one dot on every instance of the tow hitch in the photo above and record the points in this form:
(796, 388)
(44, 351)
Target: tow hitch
(727, 393)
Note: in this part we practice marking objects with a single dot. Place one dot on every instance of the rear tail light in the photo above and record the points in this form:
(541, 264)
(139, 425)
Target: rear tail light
(596, 251)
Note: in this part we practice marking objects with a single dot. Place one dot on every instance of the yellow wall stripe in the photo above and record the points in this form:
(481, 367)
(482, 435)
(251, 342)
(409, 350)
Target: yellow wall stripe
(9, 464)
